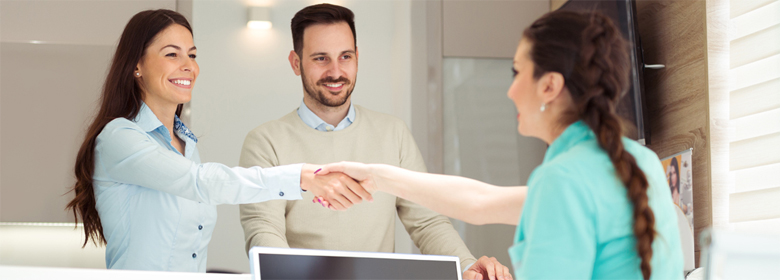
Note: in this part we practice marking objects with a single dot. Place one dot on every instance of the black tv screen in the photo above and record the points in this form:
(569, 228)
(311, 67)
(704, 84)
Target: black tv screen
(623, 14)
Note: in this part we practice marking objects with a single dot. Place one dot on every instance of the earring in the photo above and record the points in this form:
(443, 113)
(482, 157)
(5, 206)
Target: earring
(544, 107)
(137, 74)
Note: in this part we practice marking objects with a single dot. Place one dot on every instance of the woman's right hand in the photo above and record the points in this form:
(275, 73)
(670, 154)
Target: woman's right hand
(335, 190)
(360, 172)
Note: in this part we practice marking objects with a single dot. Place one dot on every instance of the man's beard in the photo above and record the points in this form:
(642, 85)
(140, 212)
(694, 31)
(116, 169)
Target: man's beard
(322, 96)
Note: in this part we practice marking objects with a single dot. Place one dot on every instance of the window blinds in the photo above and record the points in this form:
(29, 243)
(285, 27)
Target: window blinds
(754, 112)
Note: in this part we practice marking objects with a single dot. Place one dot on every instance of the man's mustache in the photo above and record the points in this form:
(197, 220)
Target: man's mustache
(330, 80)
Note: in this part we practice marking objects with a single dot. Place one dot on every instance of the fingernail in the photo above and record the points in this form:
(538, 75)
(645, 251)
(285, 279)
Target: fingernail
(318, 170)
(319, 200)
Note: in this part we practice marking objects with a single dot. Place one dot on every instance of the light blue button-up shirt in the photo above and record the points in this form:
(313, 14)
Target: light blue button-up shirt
(312, 120)
(157, 206)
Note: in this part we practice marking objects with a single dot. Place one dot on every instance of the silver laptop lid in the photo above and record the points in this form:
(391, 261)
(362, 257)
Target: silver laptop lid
(284, 263)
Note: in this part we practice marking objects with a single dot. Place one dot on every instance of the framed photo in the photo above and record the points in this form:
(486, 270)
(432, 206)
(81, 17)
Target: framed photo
(678, 169)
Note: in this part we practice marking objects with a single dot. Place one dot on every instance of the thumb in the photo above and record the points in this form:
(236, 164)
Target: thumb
(328, 168)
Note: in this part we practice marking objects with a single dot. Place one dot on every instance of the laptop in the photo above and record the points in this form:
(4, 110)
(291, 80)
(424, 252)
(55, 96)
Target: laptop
(286, 263)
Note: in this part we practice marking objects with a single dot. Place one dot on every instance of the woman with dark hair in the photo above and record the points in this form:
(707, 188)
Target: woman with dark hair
(674, 180)
(141, 188)
(598, 206)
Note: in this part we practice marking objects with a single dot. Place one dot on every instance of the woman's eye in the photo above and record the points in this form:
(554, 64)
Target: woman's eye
(193, 56)
(514, 73)
(171, 55)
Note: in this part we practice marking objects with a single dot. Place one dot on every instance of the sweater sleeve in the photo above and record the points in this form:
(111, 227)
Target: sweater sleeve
(264, 223)
(430, 231)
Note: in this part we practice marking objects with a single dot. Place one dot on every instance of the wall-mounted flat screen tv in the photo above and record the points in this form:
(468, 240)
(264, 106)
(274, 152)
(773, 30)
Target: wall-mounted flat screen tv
(623, 14)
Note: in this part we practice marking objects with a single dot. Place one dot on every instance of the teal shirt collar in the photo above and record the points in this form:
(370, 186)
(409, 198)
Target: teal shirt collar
(571, 136)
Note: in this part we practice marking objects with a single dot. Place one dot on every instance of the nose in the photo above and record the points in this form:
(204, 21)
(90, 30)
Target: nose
(334, 70)
(187, 65)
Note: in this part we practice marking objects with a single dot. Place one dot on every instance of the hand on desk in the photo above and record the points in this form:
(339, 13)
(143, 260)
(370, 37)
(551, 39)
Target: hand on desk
(487, 268)
(334, 190)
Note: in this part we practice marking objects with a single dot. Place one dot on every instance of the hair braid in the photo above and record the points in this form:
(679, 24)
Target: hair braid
(591, 54)
(605, 82)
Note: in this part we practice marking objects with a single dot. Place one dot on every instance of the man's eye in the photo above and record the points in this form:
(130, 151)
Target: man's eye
(346, 57)
(319, 58)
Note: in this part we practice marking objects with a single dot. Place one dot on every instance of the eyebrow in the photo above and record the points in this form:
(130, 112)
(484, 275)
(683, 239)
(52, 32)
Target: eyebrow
(324, 53)
(177, 47)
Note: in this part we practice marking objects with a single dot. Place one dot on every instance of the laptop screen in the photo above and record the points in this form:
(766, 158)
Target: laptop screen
(283, 263)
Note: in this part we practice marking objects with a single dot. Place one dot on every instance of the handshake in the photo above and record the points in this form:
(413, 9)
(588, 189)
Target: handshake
(338, 186)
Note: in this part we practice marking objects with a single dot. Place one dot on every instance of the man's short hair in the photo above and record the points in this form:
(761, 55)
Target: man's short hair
(319, 14)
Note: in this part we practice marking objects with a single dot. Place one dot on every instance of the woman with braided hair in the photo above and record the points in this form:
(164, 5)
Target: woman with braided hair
(598, 206)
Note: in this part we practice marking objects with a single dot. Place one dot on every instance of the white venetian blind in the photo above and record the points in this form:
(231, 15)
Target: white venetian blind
(754, 148)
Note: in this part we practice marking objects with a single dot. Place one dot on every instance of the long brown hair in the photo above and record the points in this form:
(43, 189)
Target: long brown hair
(121, 98)
(591, 54)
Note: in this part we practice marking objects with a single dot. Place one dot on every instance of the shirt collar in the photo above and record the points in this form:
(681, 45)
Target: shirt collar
(148, 121)
(312, 120)
(571, 136)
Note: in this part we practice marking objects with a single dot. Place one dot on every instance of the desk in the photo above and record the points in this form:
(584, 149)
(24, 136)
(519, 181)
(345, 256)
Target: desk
(37, 273)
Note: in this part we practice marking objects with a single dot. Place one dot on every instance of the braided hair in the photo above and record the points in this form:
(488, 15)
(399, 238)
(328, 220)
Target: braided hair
(591, 54)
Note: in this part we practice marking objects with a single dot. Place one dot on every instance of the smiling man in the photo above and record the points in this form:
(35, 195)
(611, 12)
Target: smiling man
(327, 128)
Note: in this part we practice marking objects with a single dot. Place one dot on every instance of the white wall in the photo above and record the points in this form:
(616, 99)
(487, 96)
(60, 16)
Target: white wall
(246, 80)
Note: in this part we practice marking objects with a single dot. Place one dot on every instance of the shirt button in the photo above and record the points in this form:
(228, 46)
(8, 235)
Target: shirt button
(200, 227)
(329, 128)
(281, 193)
(194, 255)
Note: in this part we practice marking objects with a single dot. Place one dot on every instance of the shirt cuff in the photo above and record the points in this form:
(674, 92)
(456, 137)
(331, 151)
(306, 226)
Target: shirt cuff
(287, 178)
(467, 268)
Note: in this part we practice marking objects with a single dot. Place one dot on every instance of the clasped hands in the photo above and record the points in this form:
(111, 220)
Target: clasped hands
(339, 186)
(333, 189)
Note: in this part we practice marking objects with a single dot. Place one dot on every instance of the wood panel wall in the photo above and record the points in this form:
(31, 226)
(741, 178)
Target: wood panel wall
(674, 33)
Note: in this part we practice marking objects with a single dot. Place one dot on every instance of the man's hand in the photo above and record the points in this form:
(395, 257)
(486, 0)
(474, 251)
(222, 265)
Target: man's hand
(487, 268)
(336, 190)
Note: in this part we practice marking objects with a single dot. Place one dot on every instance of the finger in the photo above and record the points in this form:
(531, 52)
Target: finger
(332, 167)
(506, 272)
(335, 194)
(499, 268)
(334, 205)
(491, 270)
(346, 202)
(500, 274)
(352, 189)
(470, 274)
(358, 189)
(337, 201)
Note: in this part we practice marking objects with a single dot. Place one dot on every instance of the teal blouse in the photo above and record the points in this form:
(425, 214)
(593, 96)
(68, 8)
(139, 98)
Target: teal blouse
(577, 222)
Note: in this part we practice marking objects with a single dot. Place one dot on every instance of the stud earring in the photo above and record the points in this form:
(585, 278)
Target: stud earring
(544, 107)
(137, 74)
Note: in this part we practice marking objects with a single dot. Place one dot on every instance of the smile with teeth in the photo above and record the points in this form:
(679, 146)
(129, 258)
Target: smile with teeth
(181, 82)
(334, 85)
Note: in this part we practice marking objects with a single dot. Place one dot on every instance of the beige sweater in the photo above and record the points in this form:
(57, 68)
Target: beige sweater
(368, 226)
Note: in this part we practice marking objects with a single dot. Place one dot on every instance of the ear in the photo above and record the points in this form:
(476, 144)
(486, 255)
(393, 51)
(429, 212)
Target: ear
(295, 62)
(550, 86)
